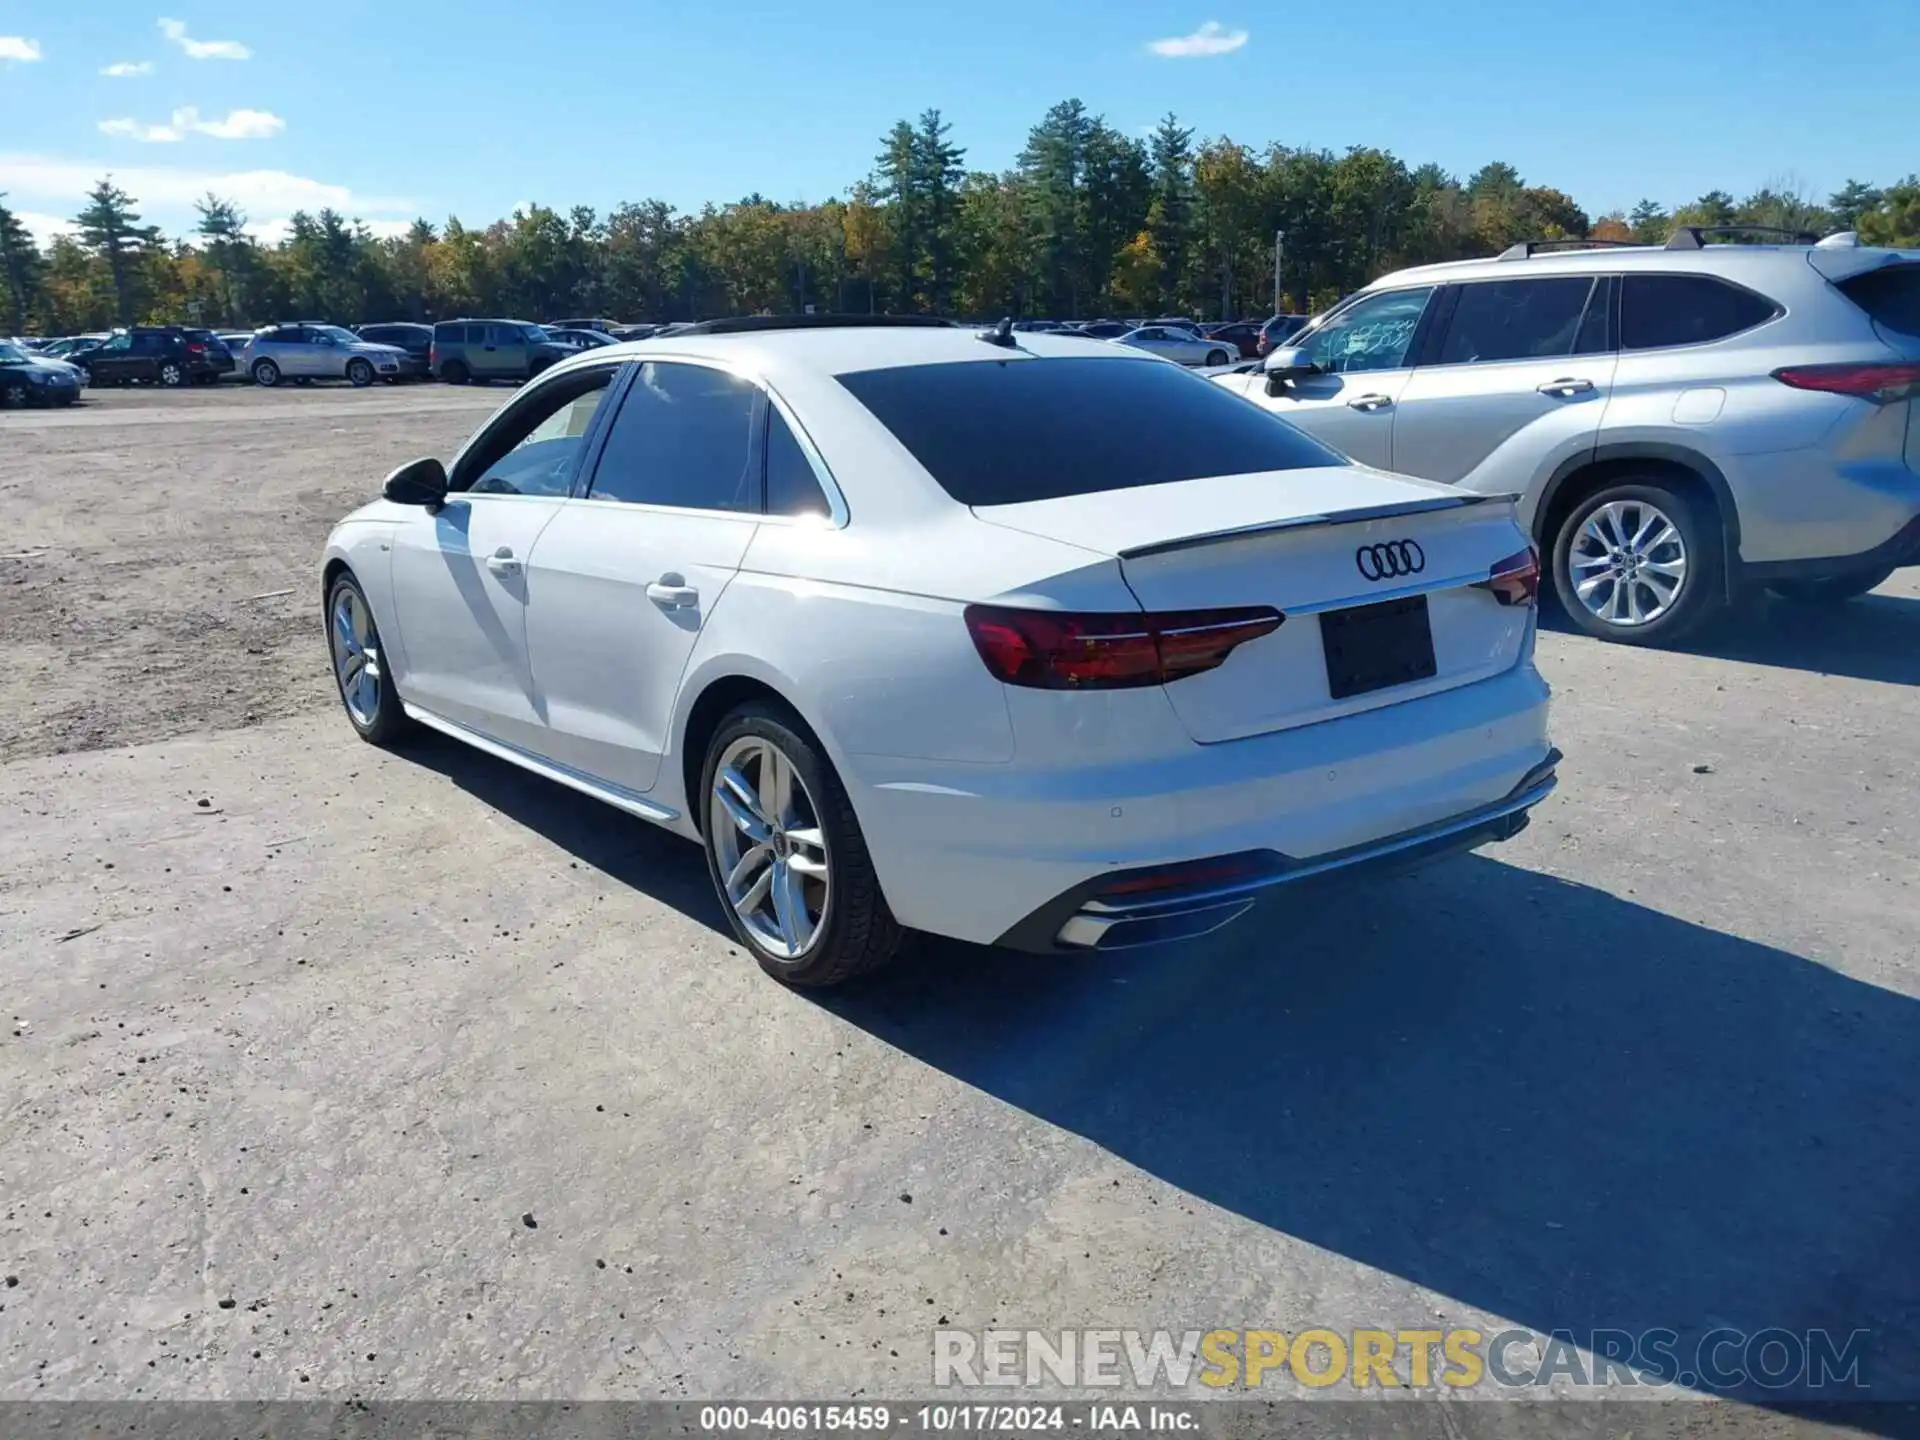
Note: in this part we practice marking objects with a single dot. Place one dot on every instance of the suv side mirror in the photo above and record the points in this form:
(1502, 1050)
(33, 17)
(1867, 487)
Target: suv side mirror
(418, 482)
(1284, 366)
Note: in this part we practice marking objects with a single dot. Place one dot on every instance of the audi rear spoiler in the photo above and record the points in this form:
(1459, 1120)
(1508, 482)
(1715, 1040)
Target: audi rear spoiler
(1358, 515)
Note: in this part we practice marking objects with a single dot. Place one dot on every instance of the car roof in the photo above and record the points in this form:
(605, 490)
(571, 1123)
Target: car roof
(1732, 261)
(849, 349)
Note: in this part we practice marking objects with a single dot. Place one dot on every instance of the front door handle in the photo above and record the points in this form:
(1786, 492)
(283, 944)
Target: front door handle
(670, 592)
(1369, 402)
(1566, 388)
(501, 562)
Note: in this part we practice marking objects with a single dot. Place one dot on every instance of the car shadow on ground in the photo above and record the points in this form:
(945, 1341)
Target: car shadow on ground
(1529, 1095)
(1876, 637)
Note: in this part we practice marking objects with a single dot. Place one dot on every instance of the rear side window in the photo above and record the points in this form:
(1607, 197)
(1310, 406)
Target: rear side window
(683, 437)
(792, 487)
(1659, 310)
(1891, 295)
(997, 432)
(1515, 320)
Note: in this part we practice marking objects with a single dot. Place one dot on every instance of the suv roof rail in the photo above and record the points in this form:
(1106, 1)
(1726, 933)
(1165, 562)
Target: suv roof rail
(1527, 248)
(1693, 237)
(752, 324)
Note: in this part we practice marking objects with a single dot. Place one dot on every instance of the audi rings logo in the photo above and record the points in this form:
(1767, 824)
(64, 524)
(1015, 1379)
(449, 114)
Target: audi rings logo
(1390, 560)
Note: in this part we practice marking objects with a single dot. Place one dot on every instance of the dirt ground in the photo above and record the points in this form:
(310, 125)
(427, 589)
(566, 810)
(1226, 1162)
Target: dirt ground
(333, 1072)
(157, 571)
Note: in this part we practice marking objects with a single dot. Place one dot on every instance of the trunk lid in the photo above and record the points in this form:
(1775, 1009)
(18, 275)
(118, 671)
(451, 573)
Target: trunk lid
(1297, 540)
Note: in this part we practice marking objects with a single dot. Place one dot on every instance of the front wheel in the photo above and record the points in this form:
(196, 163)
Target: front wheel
(1830, 589)
(360, 373)
(13, 395)
(359, 666)
(1639, 563)
(786, 854)
(266, 373)
(1217, 357)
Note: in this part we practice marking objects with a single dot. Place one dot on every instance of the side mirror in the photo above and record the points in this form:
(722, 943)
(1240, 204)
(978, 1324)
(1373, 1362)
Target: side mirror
(1284, 366)
(418, 482)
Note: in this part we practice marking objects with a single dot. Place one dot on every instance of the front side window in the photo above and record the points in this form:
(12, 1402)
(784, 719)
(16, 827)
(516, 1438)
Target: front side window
(539, 446)
(1371, 334)
(683, 437)
(1662, 310)
(1515, 320)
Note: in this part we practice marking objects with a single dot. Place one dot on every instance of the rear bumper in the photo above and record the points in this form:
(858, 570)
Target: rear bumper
(975, 851)
(1902, 549)
(1105, 914)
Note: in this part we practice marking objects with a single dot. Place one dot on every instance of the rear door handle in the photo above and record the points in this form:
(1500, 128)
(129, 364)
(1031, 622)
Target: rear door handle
(1369, 402)
(501, 562)
(669, 592)
(1566, 387)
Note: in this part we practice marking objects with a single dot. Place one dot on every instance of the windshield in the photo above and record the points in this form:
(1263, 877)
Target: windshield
(12, 352)
(999, 432)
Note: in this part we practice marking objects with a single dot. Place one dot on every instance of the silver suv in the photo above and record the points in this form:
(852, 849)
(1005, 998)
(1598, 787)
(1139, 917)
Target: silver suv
(1681, 423)
(311, 351)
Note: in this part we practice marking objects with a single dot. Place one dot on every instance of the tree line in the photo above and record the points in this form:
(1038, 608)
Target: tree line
(1089, 221)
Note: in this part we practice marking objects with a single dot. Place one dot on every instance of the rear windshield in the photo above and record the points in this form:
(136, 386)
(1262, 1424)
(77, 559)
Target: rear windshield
(1000, 432)
(1891, 295)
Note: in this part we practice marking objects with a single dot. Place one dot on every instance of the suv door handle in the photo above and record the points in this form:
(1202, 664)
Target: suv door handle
(501, 562)
(1369, 402)
(670, 592)
(1566, 387)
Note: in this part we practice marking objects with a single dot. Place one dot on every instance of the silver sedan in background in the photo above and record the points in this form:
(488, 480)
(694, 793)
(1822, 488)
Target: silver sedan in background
(1181, 345)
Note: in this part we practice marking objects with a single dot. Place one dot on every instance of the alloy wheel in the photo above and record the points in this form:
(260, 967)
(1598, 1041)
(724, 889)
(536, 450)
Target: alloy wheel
(356, 656)
(769, 845)
(1628, 563)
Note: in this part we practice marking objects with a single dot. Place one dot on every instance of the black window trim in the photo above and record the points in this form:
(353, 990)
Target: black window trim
(530, 396)
(1774, 309)
(1427, 342)
(765, 396)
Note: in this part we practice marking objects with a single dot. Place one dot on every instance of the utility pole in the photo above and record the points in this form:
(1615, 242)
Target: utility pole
(1279, 250)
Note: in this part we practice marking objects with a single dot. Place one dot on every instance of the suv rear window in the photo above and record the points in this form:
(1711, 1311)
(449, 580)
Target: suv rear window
(997, 432)
(1891, 295)
(1659, 310)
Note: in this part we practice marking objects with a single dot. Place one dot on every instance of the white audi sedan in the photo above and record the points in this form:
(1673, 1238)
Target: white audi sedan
(1001, 637)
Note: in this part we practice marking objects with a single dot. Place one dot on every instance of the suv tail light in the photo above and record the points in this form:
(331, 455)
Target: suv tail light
(1881, 384)
(433, 356)
(1062, 650)
(1516, 579)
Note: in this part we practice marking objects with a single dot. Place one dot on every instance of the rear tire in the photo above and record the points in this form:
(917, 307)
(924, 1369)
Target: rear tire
(455, 373)
(266, 373)
(1639, 562)
(172, 376)
(1829, 589)
(1218, 357)
(810, 847)
(359, 373)
(359, 666)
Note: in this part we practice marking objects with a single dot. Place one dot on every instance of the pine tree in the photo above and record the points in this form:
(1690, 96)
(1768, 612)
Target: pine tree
(110, 229)
(1170, 212)
(224, 229)
(20, 267)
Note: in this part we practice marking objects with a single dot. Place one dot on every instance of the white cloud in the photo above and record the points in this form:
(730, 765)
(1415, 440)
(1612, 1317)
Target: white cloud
(176, 31)
(127, 69)
(18, 47)
(165, 194)
(388, 229)
(237, 125)
(43, 227)
(1212, 38)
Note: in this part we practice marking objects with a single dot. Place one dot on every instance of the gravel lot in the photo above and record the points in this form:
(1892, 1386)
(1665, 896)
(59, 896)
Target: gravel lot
(330, 1072)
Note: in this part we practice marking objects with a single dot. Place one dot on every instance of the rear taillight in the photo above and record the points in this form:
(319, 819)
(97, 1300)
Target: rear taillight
(194, 347)
(1516, 579)
(1060, 650)
(1881, 384)
(433, 356)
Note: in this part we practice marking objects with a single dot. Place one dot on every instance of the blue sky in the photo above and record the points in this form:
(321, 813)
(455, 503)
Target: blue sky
(402, 107)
